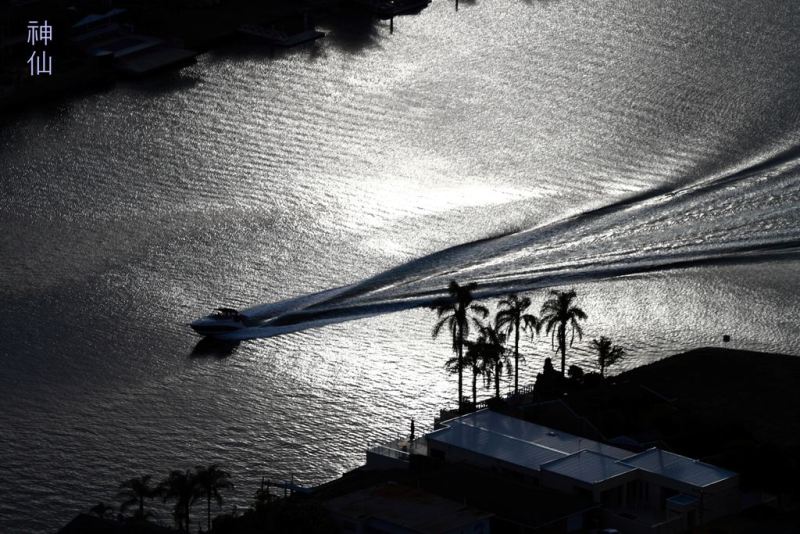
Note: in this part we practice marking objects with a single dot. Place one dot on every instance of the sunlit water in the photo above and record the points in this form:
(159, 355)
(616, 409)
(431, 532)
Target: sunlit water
(254, 176)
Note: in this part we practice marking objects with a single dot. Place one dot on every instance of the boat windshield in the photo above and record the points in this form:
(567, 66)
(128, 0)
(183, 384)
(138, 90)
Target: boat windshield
(226, 313)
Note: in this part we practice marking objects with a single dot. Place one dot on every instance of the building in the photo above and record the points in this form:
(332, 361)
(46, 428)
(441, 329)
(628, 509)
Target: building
(650, 491)
(107, 36)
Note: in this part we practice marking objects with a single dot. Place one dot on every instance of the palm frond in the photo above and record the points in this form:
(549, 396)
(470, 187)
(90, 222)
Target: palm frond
(503, 318)
(437, 328)
(451, 365)
(531, 323)
(578, 313)
(479, 309)
(478, 323)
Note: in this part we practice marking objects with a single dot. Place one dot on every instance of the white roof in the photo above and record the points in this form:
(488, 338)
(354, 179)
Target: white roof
(514, 440)
(677, 467)
(493, 445)
(588, 466)
(531, 432)
(539, 447)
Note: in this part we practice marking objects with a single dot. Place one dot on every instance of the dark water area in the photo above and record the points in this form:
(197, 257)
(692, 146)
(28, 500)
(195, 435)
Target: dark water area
(644, 153)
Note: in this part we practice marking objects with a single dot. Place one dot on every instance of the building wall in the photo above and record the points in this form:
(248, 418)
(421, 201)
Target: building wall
(382, 462)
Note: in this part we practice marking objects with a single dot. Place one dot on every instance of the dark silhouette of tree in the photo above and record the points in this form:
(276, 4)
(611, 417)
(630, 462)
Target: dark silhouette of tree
(493, 357)
(558, 313)
(575, 374)
(262, 497)
(470, 361)
(453, 313)
(549, 383)
(209, 482)
(135, 491)
(607, 353)
(481, 358)
(510, 317)
(180, 486)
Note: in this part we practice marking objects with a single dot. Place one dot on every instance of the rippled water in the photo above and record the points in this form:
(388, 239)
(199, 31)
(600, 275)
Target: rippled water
(255, 176)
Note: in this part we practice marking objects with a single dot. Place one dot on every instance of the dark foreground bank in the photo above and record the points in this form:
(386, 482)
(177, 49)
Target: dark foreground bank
(736, 409)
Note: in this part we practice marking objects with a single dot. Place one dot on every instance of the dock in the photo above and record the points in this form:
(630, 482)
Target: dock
(107, 37)
(387, 9)
(279, 37)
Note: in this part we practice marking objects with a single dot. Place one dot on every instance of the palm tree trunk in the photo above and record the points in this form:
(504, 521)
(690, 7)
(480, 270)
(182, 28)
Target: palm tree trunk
(516, 357)
(460, 366)
(562, 339)
(497, 381)
(209, 511)
(474, 388)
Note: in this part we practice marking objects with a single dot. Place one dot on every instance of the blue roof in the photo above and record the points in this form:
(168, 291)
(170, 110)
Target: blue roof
(538, 447)
(508, 449)
(677, 467)
(588, 466)
(541, 435)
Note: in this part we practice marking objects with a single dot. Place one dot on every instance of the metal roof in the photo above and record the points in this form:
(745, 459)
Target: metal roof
(508, 449)
(677, 467)
(539, 447)
(588, 466)
(533, 433)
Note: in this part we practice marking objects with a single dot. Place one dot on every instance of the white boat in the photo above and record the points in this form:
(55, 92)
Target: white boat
(221, 321)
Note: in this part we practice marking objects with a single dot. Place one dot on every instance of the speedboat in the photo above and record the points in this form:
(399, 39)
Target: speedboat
(220, 321)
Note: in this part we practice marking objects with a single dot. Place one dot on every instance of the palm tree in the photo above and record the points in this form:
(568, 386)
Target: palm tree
(453, 313)
(510, 317)
(210, 480)
(559, 311)
(181, 486)
(473, 360)
(493, 357)
(135, 491)
(607, 353)
(262, 497)
(452, 365)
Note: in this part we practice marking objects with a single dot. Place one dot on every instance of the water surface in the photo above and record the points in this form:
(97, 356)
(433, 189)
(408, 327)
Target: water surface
(255, 176)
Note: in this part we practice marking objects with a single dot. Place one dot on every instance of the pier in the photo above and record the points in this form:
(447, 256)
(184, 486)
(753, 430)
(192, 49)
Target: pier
(387, 9)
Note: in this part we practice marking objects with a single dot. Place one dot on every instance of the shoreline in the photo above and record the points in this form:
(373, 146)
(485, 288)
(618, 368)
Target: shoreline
(701, 394)
(201, 29)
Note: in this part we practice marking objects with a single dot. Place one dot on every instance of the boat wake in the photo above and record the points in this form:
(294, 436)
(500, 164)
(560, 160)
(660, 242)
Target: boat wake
(749, 215)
